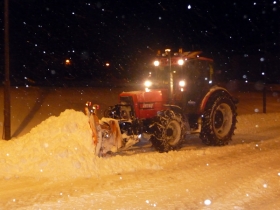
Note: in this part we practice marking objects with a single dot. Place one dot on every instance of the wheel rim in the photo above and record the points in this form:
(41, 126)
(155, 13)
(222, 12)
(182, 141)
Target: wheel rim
(173, 132)
(222, 120)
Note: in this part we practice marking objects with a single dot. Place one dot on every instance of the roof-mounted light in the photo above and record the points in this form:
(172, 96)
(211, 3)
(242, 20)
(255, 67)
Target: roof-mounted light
(167, 50)
(148, 83)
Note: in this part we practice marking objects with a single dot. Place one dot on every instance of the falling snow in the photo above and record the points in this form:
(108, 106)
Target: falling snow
(229, 28)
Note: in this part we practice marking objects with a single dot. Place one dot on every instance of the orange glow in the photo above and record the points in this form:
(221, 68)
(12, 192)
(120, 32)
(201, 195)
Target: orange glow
(67, 62)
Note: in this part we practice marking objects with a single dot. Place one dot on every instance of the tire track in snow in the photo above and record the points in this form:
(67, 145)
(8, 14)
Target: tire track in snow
(183, 185)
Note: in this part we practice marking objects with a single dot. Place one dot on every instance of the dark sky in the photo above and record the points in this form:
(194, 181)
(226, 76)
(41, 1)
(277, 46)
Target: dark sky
(127, 34)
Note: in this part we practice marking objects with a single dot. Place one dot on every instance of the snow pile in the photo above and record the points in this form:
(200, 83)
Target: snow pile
(61, 147)
(58, 147)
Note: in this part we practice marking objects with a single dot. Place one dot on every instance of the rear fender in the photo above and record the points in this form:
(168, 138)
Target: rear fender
(214, 91)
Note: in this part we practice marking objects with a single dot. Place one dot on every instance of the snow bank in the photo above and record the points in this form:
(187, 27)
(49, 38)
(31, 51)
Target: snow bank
(58, 147)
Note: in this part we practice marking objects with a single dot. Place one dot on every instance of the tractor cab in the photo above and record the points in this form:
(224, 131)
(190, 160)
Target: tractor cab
(187, 76)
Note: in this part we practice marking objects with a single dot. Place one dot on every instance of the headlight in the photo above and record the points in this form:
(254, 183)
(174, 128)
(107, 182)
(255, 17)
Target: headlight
(182, 83)
(156, 63)
(147, 83)
(180, 62)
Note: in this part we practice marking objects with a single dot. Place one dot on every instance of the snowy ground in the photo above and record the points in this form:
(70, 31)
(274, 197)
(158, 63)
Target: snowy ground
(49, 164)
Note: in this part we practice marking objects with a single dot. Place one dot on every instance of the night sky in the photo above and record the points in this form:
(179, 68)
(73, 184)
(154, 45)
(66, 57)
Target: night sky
(127, 34)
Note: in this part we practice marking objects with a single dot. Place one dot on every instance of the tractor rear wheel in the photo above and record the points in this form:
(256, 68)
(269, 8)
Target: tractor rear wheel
(218, 120)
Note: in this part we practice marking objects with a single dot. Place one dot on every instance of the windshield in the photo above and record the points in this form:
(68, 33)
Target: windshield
(192, 71)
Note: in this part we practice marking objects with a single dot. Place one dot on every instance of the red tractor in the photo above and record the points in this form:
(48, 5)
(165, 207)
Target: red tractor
(180, 98)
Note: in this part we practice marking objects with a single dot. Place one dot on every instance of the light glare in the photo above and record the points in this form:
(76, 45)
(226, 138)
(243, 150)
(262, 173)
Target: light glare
(148, 83)
(182, 83)
(156, 63)
(180, 62)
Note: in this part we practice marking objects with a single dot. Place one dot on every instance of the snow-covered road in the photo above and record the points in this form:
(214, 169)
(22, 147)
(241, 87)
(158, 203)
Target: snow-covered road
(52, 167)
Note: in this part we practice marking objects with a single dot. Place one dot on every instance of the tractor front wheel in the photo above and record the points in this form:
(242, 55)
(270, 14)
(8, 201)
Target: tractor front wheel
(168, 132)
(173, 133)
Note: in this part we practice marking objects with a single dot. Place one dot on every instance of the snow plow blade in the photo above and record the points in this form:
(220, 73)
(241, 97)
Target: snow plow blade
(106, 133)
